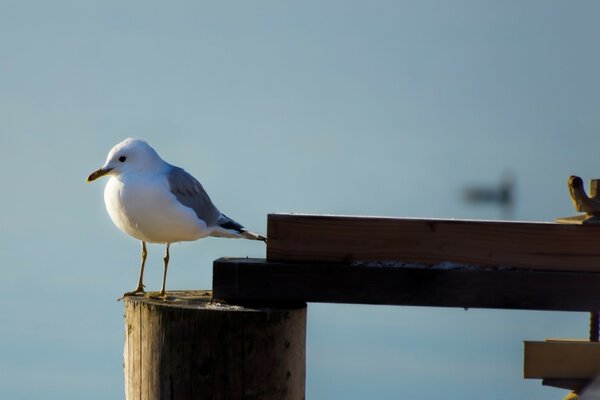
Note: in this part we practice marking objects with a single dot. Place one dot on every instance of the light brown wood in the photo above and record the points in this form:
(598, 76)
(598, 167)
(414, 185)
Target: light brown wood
(563, 359)
(190, 348)
(529, 245)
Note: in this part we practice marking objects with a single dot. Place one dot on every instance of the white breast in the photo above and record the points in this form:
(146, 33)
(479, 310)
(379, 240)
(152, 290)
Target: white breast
(144, 207)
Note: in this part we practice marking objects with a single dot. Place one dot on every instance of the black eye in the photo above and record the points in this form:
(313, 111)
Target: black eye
(122, 158)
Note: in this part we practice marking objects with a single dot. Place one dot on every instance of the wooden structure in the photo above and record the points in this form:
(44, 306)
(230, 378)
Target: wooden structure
(249, 343)
(409, 284)
(562, 359)
(444, 263)
(589, 205)
(339, 239)
(190, 347)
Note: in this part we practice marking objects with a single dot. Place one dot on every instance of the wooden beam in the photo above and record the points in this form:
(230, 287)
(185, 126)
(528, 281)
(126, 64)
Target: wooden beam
(577, 385)
(443, 285)
(339, 239)
(562, 359)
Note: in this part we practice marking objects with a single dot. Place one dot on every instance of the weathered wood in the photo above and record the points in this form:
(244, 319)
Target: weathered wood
(561, 359)
(190, 348)
(443, 285)
(529, 245)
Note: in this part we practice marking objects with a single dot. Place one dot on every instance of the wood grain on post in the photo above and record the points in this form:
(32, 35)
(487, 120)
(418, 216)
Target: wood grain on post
(190, 348)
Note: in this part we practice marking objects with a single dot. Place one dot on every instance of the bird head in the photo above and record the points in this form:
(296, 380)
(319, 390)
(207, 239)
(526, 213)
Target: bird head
(129, 156)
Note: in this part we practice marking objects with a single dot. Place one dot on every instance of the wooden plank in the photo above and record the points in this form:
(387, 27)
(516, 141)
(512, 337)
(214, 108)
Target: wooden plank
(577, 385)
(530, 245)
(443, 285)
(561, 359)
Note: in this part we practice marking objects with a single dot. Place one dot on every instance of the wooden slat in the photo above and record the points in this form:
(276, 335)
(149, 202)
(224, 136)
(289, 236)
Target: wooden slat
(562, 359)
(239, 280)
(568, 384)
(530, 245)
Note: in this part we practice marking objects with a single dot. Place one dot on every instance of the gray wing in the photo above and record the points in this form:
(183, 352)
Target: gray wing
(191, 194)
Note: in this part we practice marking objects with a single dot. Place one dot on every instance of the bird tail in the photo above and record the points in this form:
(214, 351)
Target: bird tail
(226, 227)
(253, 236)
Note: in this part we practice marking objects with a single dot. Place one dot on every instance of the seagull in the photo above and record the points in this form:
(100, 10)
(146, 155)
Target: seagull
(156, 202)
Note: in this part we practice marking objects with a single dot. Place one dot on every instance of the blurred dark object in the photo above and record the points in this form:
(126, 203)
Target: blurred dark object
(501, 194)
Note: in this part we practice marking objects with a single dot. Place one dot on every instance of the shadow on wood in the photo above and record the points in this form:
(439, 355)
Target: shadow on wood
(188, 347)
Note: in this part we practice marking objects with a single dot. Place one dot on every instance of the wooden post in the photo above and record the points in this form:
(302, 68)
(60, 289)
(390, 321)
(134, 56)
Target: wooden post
(188, 347)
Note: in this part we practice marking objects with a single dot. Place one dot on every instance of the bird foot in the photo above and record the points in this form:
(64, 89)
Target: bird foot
(159, 296)
(139, 291)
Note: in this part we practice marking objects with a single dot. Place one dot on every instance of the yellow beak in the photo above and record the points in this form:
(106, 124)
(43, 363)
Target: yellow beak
(97, 174)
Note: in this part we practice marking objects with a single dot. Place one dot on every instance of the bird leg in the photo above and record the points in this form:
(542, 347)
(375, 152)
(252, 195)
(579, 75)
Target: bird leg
(140, 286)
(163, 293)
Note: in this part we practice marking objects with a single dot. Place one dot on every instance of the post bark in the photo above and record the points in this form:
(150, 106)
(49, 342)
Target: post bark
(188, 347)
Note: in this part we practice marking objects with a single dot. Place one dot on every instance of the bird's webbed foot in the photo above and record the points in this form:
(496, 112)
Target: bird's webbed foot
(139, 291)
(162, 295)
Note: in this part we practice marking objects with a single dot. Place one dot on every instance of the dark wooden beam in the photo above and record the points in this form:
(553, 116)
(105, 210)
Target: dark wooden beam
(577, 385)
(338, 239)
(443, 285)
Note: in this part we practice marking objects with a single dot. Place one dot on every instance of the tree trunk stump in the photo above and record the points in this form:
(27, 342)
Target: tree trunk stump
(188, 347)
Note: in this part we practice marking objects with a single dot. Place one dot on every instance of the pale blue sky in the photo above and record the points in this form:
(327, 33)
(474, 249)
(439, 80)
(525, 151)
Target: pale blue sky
(384, 108)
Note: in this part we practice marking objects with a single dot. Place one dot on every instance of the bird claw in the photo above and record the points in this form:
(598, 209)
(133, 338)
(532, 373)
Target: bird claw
(159, 296)
(137, 292)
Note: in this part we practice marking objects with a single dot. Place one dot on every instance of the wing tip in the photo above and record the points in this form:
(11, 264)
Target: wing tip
(253, 236)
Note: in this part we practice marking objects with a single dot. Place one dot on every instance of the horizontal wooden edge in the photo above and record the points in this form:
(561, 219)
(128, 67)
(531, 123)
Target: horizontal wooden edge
(204, 300)
(557, 343)
(409, 284)
(562, 359)
(342, 217)
(577, 385)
